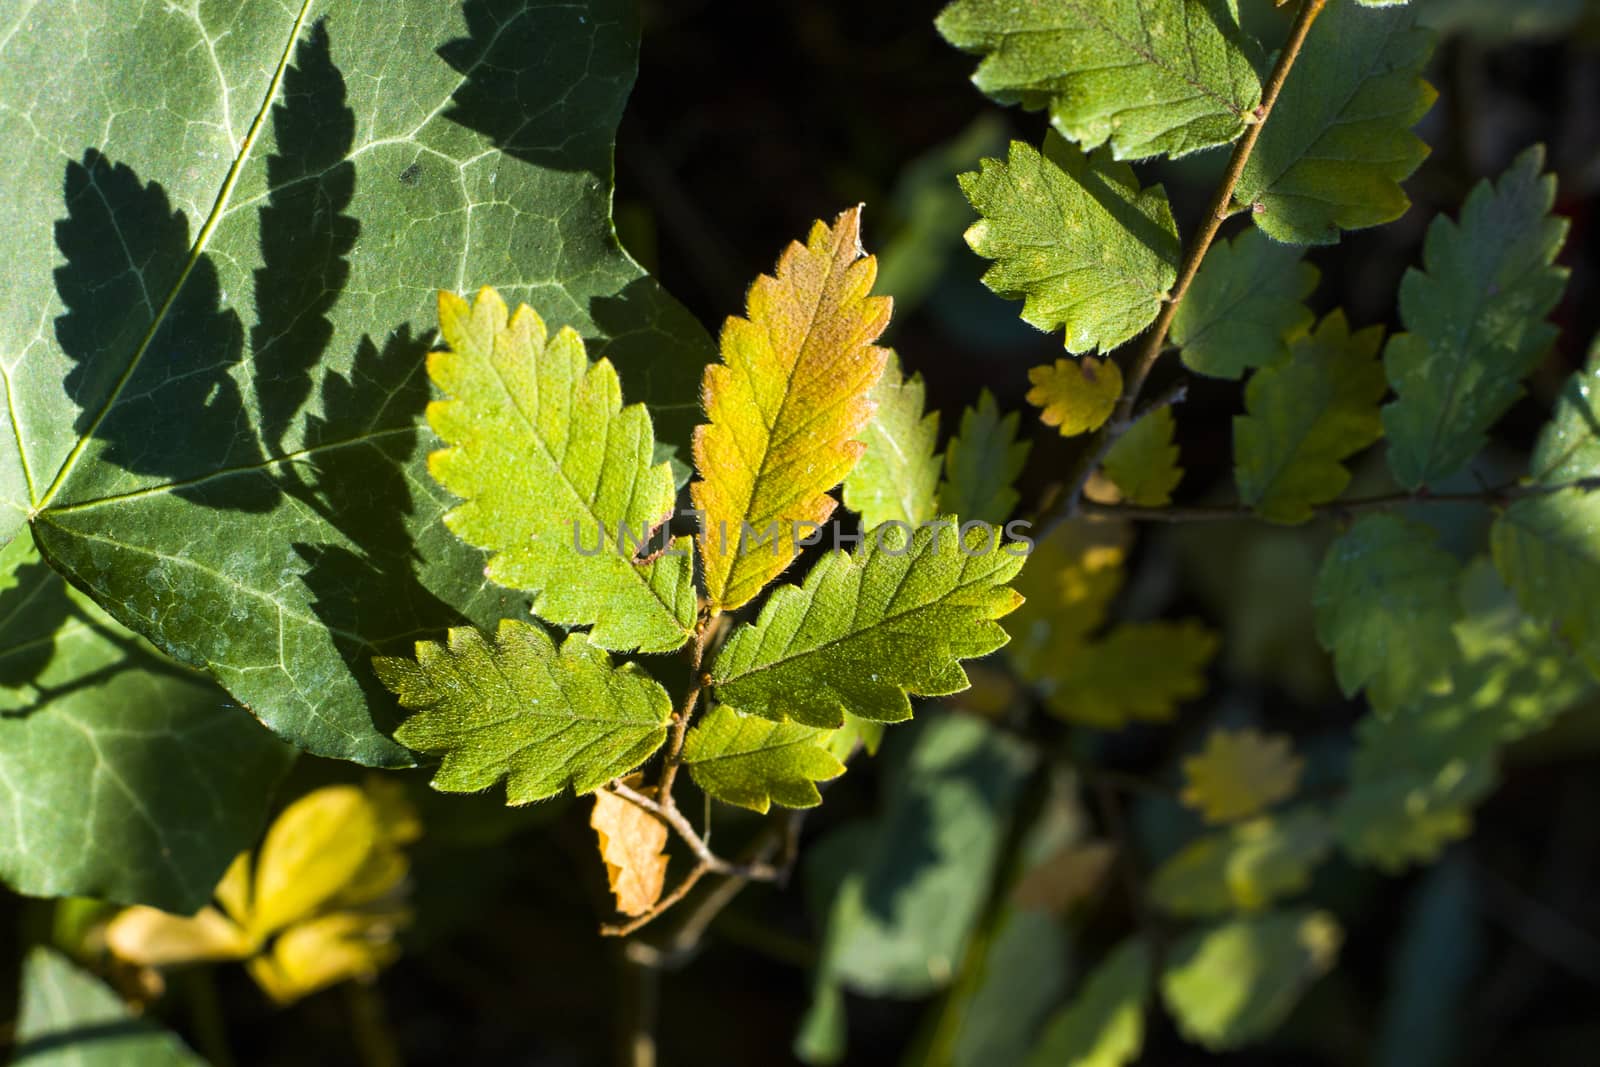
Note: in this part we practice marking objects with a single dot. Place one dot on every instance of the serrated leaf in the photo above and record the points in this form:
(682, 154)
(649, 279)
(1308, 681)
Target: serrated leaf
(1103, 1025)
(104, 746)
(785, 407)
(1244, 307)
(556, 476)
(1152, 77)
(1138, 671)
(893, 619)
(1143, 462)
(754, 762)
(1245, 867)
(897, 477)
(1385, 602)
(1476, 322)
(1076, 238)
(981, 464)
(1548, 551)
(512, 707)
(69, 1018)
(1338, 144)
(633, 845)
(1232, 984)
(1239, 773)
(213, 352)
(1075, 395)
(1304, 416)
(1569, 445)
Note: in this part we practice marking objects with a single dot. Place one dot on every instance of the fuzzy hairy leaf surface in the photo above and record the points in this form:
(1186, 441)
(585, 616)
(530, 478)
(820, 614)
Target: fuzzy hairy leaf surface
(1075, 237)
(1233, 983)
(1143, 462)
(633, 846)
(1475, 321)
(755, 762)
(1338, 143)
(1103, 1024)
(1304, 416)
(1385, 602)
(786, 406)
(546, 458)
(1152, 77)
(69, 1018)
(512, 707)
(1239, 773)
(213, 355)
(1245, 867)
(981, 464)
(1244, 307)
(867, 628)
(1075, 395)
(104, 746)
(897, 476)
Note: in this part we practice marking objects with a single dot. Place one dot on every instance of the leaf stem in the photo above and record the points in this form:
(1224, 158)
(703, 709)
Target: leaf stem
(1219, 211)
(680, 721)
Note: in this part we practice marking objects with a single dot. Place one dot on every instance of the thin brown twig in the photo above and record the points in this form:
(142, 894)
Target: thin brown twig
(680, 721)
(1219, 211)
(755, 872)
(679, 891)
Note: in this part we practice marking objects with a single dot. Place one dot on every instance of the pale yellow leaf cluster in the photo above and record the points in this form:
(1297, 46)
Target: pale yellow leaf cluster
(786, 406)
(633, 845)
(1239, 773)
(320, 902)
(1077, 395)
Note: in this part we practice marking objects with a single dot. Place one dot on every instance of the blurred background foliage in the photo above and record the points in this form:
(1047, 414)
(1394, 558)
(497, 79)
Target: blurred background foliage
(953, 891)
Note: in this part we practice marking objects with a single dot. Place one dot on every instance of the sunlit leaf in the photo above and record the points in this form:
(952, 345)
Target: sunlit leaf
(1245, 867)
(1076, 395)
(897, 476)
(1143, 463)
(755, 762)
(1103, 1025)
(633, 845)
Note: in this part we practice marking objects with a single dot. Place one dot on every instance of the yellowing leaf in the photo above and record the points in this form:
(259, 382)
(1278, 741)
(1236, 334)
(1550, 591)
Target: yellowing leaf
(1143, 463)
(786, 406)
(1240, 773)
(311, 852)
(1244, 867)
(633, 845)
(1140, 670)
(1067, 586)
(1077, 395)
(154, 938)
(325, 951)
(546, 460)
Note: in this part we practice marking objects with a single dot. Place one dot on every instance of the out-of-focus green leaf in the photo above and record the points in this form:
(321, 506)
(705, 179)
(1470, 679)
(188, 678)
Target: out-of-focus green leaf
(1076, 238)
(1152, 77)
(1304, 416)
(1246, 867)
(1338, 143)
(981, 464)
(1232, 984)
(1139, 670)
(69, 1018)
(1143, 462)
(1430, 970)
(1475, 321)
(1103, 1025)
(1244, 307)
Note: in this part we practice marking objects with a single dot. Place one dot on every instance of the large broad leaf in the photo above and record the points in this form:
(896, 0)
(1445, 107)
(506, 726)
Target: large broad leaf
(1475, 321)
(896, 617)
(69, 1018)
(1339, 143)
(122, 775)
(1076, 238)
(1149, 76)
(213, 340)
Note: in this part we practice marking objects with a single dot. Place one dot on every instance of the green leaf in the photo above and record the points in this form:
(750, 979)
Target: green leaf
(123, 775)
(867, 628)
(1245, 306)
(897, 477)
(1475, 320)
(1303, 416)
(1385, 603)
(754, 762)
(213, 352)
(1246, 867)
(1152, 77)
(1232, 984)
(69, 1018)
(1338, 144)
(1546, 548)
(1140, 670)
(1569, 445)
(1076, 238)
(513, 707)
(546, 458)
(981, 464)
(1103, 1026)
(1143, 463)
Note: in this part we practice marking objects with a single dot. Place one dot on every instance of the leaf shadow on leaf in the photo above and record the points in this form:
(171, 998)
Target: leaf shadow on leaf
(125, 247)
(31, 611)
